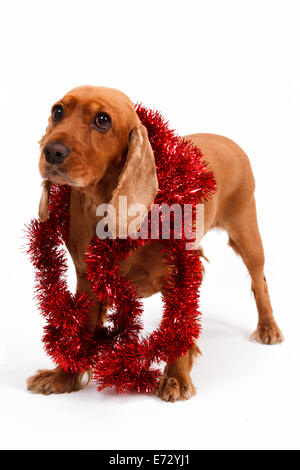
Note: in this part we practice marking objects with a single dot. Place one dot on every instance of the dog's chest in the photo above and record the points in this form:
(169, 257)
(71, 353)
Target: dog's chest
(145, 267)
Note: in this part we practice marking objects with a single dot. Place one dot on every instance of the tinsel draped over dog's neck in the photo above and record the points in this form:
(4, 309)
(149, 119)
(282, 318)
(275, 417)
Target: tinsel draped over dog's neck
(117, 353)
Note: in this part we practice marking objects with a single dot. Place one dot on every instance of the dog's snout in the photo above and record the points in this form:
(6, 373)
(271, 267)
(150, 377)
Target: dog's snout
(56, 152)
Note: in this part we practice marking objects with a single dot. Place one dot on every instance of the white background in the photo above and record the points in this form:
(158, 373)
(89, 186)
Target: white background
(209, 66)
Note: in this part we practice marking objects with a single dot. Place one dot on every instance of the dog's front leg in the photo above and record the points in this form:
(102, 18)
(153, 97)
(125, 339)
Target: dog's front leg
(176, 383)
(57, 380)
(54, 381)
(180, 293)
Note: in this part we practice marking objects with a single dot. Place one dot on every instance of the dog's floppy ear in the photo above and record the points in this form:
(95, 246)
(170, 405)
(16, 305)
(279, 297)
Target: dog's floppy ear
(44, 201)
(137, 185)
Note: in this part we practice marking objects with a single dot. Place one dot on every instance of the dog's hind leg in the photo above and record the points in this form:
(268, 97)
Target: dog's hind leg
(244, 238)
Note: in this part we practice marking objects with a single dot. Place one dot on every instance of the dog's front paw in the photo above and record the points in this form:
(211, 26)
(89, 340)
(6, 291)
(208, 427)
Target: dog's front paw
(268, 333)
(54, 381)
(175, 388)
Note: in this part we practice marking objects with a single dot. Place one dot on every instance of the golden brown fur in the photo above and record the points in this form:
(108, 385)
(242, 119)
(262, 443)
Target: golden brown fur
(120, 162)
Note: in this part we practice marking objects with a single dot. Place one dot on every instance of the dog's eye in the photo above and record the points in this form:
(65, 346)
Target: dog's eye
(57, 113)
(103, 122)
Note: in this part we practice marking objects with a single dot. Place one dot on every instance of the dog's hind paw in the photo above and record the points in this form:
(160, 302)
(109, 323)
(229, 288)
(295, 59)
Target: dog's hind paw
(175, 388)
(268, 334)
(54, 381)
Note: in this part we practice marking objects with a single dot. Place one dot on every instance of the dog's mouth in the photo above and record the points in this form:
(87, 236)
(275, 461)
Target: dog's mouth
(58, 175)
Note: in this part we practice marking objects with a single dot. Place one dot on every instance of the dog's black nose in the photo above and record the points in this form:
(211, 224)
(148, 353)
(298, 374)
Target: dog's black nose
(56, 152)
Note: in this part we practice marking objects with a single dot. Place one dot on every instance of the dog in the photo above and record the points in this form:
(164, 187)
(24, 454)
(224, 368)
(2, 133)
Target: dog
(96, 144)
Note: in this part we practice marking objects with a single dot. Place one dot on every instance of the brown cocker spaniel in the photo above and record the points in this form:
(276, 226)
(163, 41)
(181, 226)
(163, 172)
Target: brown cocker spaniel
(96, 144)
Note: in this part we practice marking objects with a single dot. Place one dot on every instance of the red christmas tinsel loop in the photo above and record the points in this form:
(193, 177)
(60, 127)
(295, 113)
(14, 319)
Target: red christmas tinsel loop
(118, 355)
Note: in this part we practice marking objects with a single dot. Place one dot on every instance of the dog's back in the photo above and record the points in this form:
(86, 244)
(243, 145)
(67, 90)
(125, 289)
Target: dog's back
(233, 174)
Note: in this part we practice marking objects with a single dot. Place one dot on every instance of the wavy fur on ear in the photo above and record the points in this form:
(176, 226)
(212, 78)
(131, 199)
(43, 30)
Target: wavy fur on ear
(44, 201)
(138, 183)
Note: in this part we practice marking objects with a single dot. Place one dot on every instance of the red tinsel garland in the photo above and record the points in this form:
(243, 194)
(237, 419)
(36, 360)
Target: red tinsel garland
(118, 355)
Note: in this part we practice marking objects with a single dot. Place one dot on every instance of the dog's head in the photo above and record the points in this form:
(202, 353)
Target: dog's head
(92, 132)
